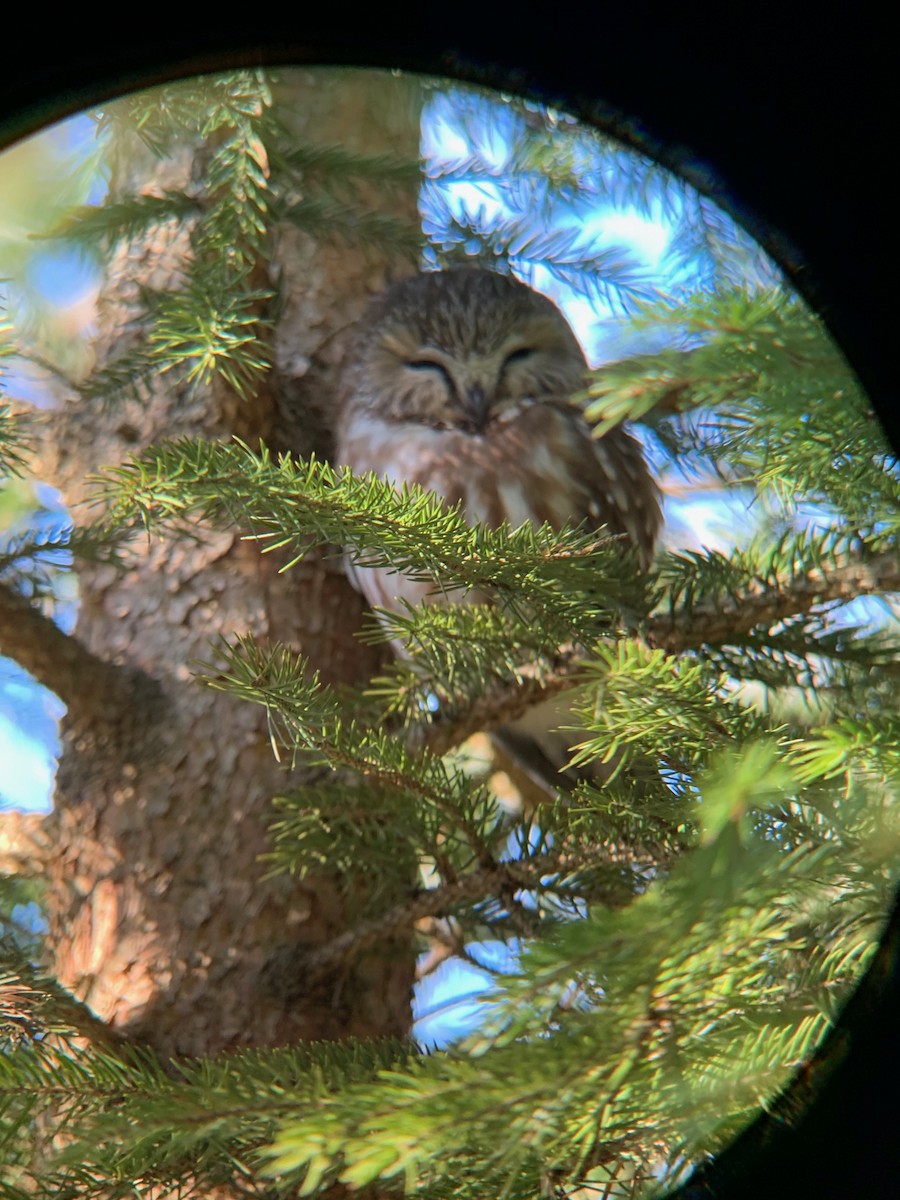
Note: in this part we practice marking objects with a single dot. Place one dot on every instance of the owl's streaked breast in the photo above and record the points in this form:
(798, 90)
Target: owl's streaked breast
(538, 464)
(490, 474)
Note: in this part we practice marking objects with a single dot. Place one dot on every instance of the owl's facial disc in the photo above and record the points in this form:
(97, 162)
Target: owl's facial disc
(468, 395)
(474, 370)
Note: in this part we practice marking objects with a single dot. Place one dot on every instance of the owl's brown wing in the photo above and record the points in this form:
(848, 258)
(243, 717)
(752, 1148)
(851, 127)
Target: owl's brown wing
(624, 496)
(539, 463)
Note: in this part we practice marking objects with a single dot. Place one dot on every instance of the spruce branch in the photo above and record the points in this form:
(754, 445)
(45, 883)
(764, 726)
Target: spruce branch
(338, 168)
(408, 807)
(34, 561)
(331, 220)
(500, 701)
(524, 1123)
(486, 664)
(304, 715)
(202, 332)
(749, 362)
(127, 376)
(719, 906)
(235, 227)
(101, 226)
(567, 579)
(729, 618)
(730, 613)
(16, 441)
(291, 504)
(535, 873)
(217, 321)
(213, 326)
(126, 1115)
(769, 601)
(163, 117)
(455, 657)
(610, 275)
(640, 705)
(871, 743)
(831, 662)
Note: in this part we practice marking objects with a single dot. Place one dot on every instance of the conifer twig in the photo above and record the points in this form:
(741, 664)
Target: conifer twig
(687, 627)
(731, 616)
(502, 878)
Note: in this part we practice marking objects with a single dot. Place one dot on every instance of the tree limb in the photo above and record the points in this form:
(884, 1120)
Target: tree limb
(682, 629)
(36, 643)
(90, 687)
(22, 843)
(500, 878)
(731, 616)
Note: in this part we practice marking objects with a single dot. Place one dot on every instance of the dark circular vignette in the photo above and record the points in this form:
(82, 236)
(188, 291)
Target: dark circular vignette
(783, 119)
(789, 112)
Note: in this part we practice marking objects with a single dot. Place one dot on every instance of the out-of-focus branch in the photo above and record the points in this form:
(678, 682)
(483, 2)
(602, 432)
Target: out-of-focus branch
(22, 843)
(728, 618)
(57, 660)
(505, 878)
(732, 616)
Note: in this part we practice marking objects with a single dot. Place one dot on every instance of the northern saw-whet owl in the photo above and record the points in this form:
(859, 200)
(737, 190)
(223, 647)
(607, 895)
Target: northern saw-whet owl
(461, 381)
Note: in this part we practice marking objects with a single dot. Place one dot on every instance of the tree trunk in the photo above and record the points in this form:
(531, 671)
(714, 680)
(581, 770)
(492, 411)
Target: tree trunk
(160, 916)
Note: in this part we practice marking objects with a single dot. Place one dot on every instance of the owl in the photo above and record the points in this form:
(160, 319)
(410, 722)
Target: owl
(462, 381)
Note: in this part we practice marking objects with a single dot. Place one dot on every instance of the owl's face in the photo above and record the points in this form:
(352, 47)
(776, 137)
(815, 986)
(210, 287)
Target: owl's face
(463, 349)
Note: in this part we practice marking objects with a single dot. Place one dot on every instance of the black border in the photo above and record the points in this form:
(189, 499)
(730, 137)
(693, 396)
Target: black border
(789, 109)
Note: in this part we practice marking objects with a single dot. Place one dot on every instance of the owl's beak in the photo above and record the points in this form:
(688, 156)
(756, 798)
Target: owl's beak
(477, 406)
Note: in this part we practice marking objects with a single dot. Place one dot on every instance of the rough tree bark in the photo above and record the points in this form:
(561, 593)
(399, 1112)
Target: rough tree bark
(160, 918)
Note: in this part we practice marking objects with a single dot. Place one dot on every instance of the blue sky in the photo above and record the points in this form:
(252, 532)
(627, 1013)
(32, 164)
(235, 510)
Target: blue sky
(29, 743)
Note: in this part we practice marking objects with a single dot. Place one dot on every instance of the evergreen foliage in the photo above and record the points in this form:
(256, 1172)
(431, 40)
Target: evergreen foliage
(14, 441)
(686, 933)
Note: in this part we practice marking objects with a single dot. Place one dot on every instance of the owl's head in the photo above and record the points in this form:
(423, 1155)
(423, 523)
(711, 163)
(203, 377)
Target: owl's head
(458, 349)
